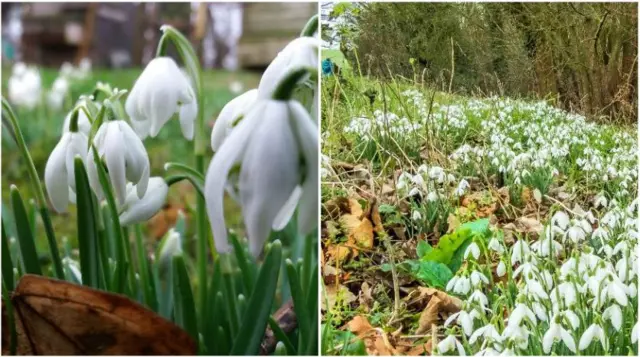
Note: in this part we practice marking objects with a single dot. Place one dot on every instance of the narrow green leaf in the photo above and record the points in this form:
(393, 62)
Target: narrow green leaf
(25, 237)
(299, 302)
(254, 322)
(143, 270)
(6, 296)
(185, 305)
(242, 260)
(7, 263)
(233, 315)
(87, 232)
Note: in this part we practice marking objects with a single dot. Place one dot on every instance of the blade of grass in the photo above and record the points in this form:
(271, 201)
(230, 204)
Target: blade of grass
(241, 258)
(281, 336)
(87, 232)
(185, 312)
(13, 339)
(25, 237)
(255, 319)
(299, 302)
(8, 113)
(143, 269)
(7, 263)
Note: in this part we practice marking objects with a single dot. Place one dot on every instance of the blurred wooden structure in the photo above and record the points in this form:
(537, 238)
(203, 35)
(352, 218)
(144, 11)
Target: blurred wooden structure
(268, 27)
(111, 34)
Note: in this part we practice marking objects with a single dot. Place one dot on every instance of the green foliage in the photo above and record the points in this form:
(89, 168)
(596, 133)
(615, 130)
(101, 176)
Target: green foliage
(341, 343)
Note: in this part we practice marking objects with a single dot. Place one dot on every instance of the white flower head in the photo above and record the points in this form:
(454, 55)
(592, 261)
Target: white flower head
(229, 116)
(501, 269)
(560, 220)
(449, 343)
(614, 314)
(301, 52)
(59, 173)
(267, 145)
(519, 252)
(557, 333)
(136, 209)
(161, 91)
(125, 157)
(24, 86)
(170, 246)
(472, 250)
(593, 332)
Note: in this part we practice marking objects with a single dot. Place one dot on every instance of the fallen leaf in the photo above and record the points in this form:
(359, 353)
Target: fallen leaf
(338, 253)
(55, 317)
(376, 340)
(524, 225)
(359, 325)
(375, 217)
(437, 303)
(357, 229)
(355, 208)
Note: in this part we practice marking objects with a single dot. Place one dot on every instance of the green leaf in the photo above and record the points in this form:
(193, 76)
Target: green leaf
(25, 237)
(299, 304)
(430, 273)
(447, 246)
(423, 248)
(87, 231)
(243, 263)
(281, 336)
(7, 263)
(351, 344)
(254, 321)
(456, 261)
(185, 311)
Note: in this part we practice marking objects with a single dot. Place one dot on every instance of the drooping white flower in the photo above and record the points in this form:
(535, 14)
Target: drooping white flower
(449, 343)
(557, 333)
(501, 269)
(462, 286)
(432, 196)
(267, 145)
(519, 251)
(462, 188)
(635, 332)
(126, 159)
(301, 52)
(519, 313)
(560, 219)
(84, 125)
(58, 92)
(464, 319)
(161, 91)
(472, 249)
(593, 332)
(488, 331)
(495, 245)
(139, 209)
(614, 314)
(24, 86)
(229, 115)
(59, 173)
(477, 278)
(479, 297)
(416, 216)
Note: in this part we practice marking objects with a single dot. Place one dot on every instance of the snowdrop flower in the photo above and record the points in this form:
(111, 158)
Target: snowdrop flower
(501, 269)
(229, 115)
(488, 331)
(519, 251)
(477, 278)
(24, 86)
(449, 344)
(560, 219)
(480, 297)
(614, 314)
(301, 52)
(593, 332)
(416, 216)
(462, 187)
(160, 91)
(464, 319)
(472, 249)
(170, 246)
(462, 286)
(432, 196)
(635, 332)
(84, 125)
(519, 313)
(267, 144)
(125, 157)
(139, 209)
(495, 245)
(558, 333)
(59, 173)
(58, 93)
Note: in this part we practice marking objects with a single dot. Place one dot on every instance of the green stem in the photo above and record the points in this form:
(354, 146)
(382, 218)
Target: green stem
(287, 86)
(311, 27)
(192, 64)
(37, 188)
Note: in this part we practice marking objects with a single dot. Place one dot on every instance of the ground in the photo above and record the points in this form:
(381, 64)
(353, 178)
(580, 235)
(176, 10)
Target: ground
(423, 190)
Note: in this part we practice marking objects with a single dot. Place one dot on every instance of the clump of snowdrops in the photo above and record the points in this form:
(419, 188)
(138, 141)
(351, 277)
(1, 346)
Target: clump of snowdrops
(265, 157)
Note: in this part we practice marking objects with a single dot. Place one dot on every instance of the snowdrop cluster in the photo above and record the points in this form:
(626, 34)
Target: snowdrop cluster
(68, 74)
(432, 183)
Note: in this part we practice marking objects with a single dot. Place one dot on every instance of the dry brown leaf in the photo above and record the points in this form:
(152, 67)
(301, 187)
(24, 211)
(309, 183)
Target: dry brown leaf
(375, 340)
(437, 303)
(524, 225)
(375, 217)
(162, 221)
(338, 253)
(359, 325)
(357, 229)
(59, 318)
(355, 208)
